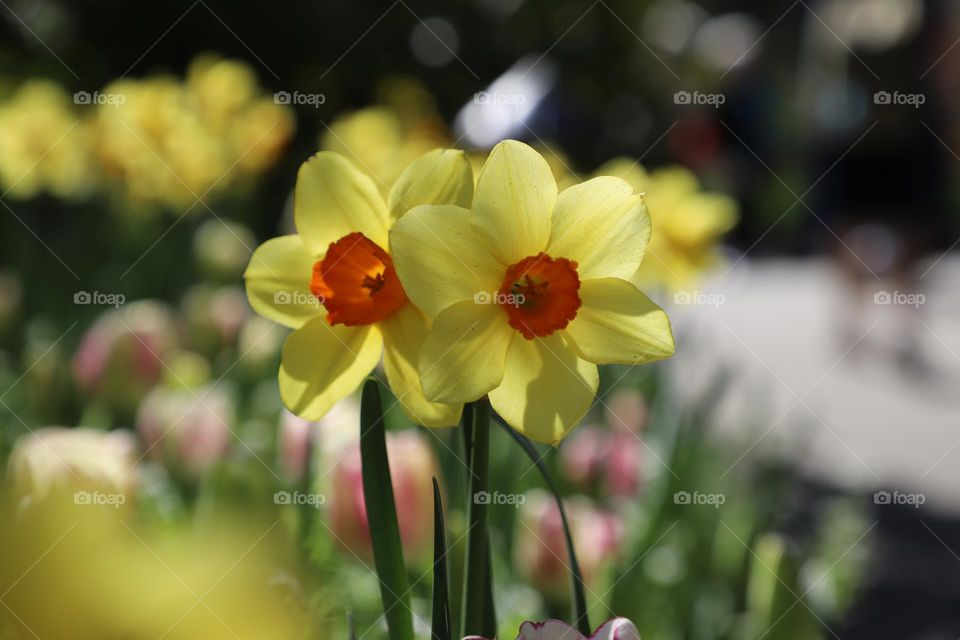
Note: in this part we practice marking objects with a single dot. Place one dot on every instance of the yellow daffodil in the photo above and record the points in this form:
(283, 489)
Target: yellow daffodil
(687, 222)
(166, 142)
(529, 290)
(334, 282)
(377, 140)
(44, 145)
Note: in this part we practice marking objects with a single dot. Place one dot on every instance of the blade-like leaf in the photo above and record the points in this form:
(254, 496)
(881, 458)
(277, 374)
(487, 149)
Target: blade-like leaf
(479, 615)
(382, 515)
(441, 597)
(579, 599)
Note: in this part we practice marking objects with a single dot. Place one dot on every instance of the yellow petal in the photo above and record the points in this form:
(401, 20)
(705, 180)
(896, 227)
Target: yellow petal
(602, 225)
(546, 389)
(333, 198)
(403, 335)
(617, 324)
(440, 260)
(464, 353)
(278, 282)
(442, 176)
(513, 202)
(321, 364)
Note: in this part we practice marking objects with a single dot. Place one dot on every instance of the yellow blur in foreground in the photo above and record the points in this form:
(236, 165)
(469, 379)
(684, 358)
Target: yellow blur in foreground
(75, 566)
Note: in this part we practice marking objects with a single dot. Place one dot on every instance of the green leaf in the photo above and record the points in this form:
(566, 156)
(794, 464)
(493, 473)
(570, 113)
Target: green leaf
(382, 516)
(576, 578)
(441, 596)
(479, 615)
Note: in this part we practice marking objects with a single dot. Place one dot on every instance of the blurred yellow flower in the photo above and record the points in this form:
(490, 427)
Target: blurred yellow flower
(382, 144)
(687, 223)
(339, 261)
(529, 290)
(44, 145)
(166, 142)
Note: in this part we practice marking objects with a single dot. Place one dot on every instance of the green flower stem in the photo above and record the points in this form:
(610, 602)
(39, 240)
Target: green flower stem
(580, 612)
(382, 515)
(479, 616)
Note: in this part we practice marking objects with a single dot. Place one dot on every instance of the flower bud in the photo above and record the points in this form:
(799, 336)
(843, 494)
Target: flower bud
(540, 551)
(214, 316)
(221, 249)
(412, 466)
(604, 460)
(121, 355)
(188, 430)
(295, 446)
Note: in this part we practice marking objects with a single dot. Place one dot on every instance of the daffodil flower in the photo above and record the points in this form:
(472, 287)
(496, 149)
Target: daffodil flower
(688, 223)
(529, 290)
(334, 282)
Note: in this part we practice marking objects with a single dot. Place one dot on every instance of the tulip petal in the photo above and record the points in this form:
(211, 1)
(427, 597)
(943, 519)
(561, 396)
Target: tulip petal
(548, 630)
(613, 629)
(616, 629)
(442, 176)
(602, 225)
(546, 389)
(403, 335)
(278, 282)
(618, 324)
(513, 202)
(465, 352)
(334, 198)
(321, 364)
(440, 260)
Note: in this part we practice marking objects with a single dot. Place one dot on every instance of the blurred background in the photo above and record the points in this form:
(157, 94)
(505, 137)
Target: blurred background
(790, 474)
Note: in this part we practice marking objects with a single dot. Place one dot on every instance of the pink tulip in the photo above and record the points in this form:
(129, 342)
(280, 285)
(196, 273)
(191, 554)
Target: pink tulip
(295, 445)
(605, 459)
(613, 629)
(121, 356)
(412, 466)
(188, 430)
(540, 550)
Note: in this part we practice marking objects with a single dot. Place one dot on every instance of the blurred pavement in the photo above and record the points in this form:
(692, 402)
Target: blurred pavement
(866, 395)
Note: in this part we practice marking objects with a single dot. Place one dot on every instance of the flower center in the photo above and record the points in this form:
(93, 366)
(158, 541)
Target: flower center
(357, 282)
(540, 294)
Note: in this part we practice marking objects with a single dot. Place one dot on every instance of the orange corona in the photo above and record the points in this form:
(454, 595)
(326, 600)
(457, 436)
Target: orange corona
(357, 282)
(540, 294)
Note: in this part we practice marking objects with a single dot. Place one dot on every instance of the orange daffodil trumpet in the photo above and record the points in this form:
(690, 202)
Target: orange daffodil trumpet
(528, 290)
(334, 283)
